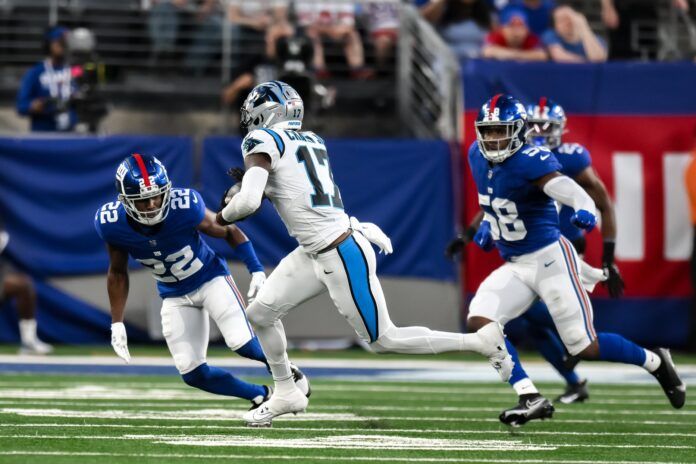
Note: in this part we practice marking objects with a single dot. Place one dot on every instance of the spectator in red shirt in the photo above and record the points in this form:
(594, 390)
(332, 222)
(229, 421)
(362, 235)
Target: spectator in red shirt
(513, 40)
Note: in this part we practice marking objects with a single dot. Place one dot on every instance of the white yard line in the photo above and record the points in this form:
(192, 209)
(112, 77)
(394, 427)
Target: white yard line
(317, 458)
(354, 441)
(564, 409)
(185, 392)
(520, 433)
(224, 415)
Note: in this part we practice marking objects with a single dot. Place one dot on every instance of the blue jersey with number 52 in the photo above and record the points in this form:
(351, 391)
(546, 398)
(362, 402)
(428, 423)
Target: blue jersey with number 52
(523, 218)
(179, 258)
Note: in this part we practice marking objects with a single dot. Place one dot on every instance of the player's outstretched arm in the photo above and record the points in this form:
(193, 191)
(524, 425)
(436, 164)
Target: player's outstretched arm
(117, 286)
(566, 191)
(595, 188)
(593, 185)
(248, 200)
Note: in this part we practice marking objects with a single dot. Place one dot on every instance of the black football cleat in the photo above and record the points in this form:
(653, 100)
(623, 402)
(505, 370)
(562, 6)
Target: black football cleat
(667, 375)
(574, 393)
(530, 407)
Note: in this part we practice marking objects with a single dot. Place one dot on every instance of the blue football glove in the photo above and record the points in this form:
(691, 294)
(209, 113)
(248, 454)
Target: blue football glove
(483, 238)
(583, 219)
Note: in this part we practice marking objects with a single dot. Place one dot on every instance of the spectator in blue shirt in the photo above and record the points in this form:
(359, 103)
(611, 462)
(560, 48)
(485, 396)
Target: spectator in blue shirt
(46, 88)
(538, 13)
(571, 40)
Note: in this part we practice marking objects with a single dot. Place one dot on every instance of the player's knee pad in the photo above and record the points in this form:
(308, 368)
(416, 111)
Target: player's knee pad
(198, 377)
(260, 315)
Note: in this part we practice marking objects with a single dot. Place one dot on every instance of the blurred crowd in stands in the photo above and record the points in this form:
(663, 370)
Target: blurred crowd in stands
(540, 30)
(308, 41)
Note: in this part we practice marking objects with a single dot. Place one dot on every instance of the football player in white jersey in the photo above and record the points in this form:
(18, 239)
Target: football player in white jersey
(292, 169)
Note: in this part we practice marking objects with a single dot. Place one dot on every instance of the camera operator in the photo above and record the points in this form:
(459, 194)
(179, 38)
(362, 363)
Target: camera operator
(47, 87)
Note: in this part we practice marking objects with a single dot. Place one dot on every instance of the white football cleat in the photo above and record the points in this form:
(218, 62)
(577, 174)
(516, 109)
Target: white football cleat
(292, 402)
(493, 340)
(36, 347)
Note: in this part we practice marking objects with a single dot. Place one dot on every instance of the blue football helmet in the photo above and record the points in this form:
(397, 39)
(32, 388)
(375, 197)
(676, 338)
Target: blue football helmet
(140, 178)
(547, 122)
(501, 127)
(272, 104)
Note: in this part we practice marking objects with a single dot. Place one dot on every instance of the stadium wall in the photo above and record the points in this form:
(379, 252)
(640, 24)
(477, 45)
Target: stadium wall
(638, 121)
(51, 188)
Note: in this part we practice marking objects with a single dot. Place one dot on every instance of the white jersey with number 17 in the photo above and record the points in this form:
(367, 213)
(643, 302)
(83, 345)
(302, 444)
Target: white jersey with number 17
(301, 185)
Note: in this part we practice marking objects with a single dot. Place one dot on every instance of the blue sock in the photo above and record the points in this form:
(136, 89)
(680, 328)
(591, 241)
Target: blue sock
(221, 382)
(553, 351)
(518, 372)
(615, 348)
(252, 350)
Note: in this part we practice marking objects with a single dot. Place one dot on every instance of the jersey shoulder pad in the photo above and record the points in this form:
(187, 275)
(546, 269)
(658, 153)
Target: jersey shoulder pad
(315, 137)
(265, 141)
(106, 220)
(473, 149)
(574, 158)
(536, 161)
(187, 207)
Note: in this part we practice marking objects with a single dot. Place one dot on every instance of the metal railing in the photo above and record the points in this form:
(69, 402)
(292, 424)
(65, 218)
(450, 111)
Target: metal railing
(126, 34)
(430, 90)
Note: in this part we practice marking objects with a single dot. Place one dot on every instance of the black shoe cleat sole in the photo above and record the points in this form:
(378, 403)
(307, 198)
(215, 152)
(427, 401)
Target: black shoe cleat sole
(673, 386)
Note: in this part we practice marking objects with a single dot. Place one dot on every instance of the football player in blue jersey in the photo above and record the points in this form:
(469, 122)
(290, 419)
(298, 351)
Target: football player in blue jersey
(518, 185)
(547, 121)
(161, 227)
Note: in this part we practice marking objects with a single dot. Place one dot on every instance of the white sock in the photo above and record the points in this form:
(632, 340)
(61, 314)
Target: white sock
(524, 387)
(652, 361)
(27, 331)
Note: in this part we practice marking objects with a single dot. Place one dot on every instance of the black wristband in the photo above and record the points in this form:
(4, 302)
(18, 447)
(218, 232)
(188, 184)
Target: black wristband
(608, 252)
(469, 233)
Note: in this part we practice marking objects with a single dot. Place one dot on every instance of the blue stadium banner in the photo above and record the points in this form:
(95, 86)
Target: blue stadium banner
(404, 186)
(51, 187)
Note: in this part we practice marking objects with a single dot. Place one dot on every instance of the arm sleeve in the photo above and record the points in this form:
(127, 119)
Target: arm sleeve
(264, 141)
(566, 191)
(248, 200)
(26, 92)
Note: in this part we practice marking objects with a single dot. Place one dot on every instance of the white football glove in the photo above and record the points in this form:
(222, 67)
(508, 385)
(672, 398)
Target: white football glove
(374, 234)
(257, 281)
(119, 341)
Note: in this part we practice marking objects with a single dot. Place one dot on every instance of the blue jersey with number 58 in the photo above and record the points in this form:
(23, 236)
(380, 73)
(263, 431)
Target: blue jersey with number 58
(179, 258)
(523, 218)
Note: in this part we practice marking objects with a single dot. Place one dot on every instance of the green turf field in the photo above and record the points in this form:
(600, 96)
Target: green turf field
(135, 419)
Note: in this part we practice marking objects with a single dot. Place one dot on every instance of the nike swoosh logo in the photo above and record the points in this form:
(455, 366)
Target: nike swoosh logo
(535, 403)
(544, 157)
(328, 272)
(549, 263)
(261, 415)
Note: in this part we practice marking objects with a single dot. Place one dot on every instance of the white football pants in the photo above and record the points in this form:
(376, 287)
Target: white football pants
(554, 274)
(186, 326)
(348, 273)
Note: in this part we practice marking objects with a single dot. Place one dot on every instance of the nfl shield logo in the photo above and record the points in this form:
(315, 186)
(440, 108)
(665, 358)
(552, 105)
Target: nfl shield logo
(153, 243)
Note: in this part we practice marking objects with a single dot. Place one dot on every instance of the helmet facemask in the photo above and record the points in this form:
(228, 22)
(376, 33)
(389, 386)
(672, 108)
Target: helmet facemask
(499, 140)
(152, 216)
(546, 132)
